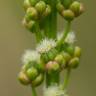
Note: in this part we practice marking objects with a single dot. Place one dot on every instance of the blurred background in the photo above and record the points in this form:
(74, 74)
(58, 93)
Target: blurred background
(14, 39)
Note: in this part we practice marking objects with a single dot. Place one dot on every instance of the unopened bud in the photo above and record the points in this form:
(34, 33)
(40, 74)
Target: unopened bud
(23, 78)
(47, 11)
(52, 66)
(68, 15)
(32, 73)
(31, 14)
(40, 6)
(31, 26)
(26, 4)
(77, 51)
(66, 3)
(39, 79)
(33, 2)
(70, 49)
(74, 62)
(66, 56)
(60, 7)
(77, 8)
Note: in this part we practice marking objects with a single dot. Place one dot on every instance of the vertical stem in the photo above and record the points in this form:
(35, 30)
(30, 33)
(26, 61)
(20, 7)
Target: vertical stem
(38, 33)
(66, 79)
(51, 21)
(33, 91)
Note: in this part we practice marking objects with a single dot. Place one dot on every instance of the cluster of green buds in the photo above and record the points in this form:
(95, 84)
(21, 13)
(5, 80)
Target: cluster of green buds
(32, 72)
(35, 12)
(53, 53)
(70, 9)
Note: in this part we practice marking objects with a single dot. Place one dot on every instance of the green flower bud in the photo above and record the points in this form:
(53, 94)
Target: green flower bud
(40, 6)
(66, 56)
(23, 78)
(74, 62)
(52, 53)
(70, 49)
(31, 25)
(77, 51)
(52, 66)
(26, 4)
(32, 73)
(61, 60)
(39, 79)
(66, 3)
(60, 7)
(47, 11)
(40, 66)
(75, 7)
(33, 2)
(68, 15)
(31, 14)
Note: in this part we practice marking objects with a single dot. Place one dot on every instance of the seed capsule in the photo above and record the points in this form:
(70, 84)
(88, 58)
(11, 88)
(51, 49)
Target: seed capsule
(31, 14)
(52, 66)
(75, 7)
(40, 6)
(74, 62)
(77, 51)
(23, 78)
(31, 26)
(26, 4)
(33, 2)
(66, 3)
(60, 7)
(32, 73)
(68, 15)
(39, 79)
(66, 56)
(47, 11)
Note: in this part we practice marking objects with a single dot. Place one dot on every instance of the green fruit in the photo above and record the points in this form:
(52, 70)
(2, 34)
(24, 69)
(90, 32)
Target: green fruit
(68, 15)
(52, 66)
(31, 14)
(23, 78)
(32, 73)
(66, 56)
(47, 11)
(77, 51)
(26, 4)
(75, 7)
(39, 79)
(66, 3)
(60, 7)
(40, 6)
(31, 25)
(74, 62)
(33, 2)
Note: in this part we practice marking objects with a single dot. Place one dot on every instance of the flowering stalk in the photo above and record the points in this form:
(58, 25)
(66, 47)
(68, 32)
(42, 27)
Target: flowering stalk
(53, 53)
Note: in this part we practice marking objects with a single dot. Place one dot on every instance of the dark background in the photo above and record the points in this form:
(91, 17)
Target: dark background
(14, 39)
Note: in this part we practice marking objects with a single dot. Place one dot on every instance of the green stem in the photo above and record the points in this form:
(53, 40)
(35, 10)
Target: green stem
(66, 79)
(67, 30)
(51, 21)
(33, 91)
(52, 78)
(38, 33)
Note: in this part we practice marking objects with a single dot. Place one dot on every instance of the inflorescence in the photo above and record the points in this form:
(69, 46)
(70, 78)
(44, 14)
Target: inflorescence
(54, 52)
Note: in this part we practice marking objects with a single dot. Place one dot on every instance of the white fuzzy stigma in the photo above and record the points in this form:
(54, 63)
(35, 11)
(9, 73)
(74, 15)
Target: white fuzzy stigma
(71, 37)
(54, 91)
(29, 56)
(45, 45)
